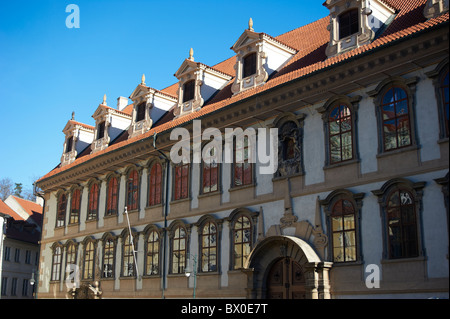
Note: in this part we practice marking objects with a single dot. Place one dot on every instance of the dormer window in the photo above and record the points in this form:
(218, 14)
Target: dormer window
(258, 55)
(101, 130)
(140, 112)
(197, 84)
(78, 138)
(188, 91)
(149, 105)
(249, 64)
(355, 23)
(348, 23)
(109, 123)
(69, 144)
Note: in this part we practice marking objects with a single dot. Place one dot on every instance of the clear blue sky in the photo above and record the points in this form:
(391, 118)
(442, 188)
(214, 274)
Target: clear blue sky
(48, 70)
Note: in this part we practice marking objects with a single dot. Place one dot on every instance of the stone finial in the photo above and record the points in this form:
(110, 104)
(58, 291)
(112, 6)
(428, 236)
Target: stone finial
(73, 116)
(250, 24)
(104, 99)
(191, 54)
(143, 79)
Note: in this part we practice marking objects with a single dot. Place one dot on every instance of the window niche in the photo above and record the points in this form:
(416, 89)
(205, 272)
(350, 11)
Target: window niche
(209, 234)
(290, 144)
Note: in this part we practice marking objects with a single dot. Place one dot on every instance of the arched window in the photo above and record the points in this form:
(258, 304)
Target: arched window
(401, 224)
(71, 254)
(181, 181)
(343, 227)
(340, 129)
(56, 263)
(89, 258)
(93, 202)
(208, 247)
(179, 246)
(395, 117)
(249, 65)
(189, 90)
(133, 190)
(242, 241)
(109, 250)
(128, 264)
(401, 202)
(155, 183)
(61, 213)
(348, 23)
(112, 196)
(152, 253)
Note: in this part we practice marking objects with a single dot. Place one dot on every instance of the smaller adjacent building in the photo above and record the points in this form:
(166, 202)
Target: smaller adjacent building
(21, 228)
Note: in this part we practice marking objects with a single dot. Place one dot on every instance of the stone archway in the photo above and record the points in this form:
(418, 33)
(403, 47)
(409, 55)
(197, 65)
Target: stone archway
(263, 260)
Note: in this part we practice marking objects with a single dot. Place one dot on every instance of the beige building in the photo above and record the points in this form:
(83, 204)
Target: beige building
(358, 204)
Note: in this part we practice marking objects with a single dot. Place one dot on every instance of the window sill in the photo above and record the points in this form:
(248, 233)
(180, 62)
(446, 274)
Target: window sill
(181, 200)
(279, 178)
(403, 260)
(398, 151)
(91, 220)
(348, 263)
(215, 193)
(109, 216)
(443, 140)
(340, 164)
(238, 188)
(209, 273)
(154, 206)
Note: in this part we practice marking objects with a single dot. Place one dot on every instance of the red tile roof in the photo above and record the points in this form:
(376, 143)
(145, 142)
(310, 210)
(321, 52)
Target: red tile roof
(311, 41)
(5, 209)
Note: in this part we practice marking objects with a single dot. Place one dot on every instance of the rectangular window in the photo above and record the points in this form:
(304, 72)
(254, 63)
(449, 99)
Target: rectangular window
(75, 207)
(101, 130)
(249, 65)
(4, 285)
(17, 255)
(7, 253)
(25, 284)
(181, 184)
(28, 257)
(243, 170)
(189, 91)
(13, 286)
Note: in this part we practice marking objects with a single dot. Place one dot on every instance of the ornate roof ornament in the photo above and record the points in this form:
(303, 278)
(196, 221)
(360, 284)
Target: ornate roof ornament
(191, 54)
(143, 79)
(250, 24)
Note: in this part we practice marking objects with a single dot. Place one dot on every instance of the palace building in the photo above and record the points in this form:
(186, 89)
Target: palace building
(358, 205)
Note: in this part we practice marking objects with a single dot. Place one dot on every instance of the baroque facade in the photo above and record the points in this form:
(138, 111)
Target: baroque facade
(357, 208)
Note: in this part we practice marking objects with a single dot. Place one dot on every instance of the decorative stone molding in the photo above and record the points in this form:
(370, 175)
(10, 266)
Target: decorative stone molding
(271, 55)
(78, 137)
(207, 81)
(372, 16)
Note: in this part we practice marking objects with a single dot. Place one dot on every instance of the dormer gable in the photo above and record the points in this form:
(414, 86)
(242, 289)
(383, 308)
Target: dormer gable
(78, 137)
(149, 106)
(258, 55)
(109, 123)
(197, 83)
(354, 23)
(434, 8)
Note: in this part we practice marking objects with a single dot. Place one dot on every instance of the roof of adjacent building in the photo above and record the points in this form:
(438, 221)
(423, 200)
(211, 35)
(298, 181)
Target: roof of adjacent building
(310, 41)
(19, 228)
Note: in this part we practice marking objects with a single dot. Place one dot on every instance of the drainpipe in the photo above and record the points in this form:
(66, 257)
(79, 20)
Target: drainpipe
(166, 210)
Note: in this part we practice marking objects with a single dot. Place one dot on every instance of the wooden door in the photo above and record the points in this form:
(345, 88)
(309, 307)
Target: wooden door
(286, 280)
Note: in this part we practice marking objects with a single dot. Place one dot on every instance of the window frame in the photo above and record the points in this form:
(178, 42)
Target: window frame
(88, 273)
(109, 239)
(350, 25)
(155, 246)
(206, 173)
(93, 201)
(75, 206)
(173, 240)
(140, 112)
(133, 189)
(383, 194)
(153, 185)
(125, 260)
(188, 91)
(183, 179)
(242, 165)
(409, 86)
(249, 64)
(56, 262)
(61, 210)
(112, 196)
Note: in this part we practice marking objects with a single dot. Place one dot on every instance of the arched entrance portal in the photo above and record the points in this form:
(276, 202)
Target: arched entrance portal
(286, 280)
(286, 267)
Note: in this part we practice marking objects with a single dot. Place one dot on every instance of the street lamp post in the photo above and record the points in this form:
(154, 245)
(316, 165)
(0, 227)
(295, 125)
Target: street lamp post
(188, 271)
